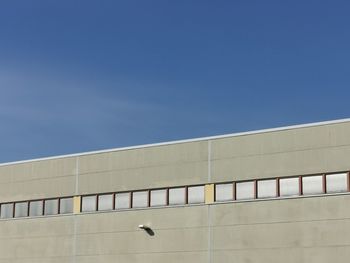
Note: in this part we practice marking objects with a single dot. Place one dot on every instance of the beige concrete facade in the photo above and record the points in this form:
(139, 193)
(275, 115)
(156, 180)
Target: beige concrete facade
(303, 229)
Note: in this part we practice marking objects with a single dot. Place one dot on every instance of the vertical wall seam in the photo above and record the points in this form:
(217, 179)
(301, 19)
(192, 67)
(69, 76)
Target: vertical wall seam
(75, 219)
(77, 175)
(209, 161)
(209, 207)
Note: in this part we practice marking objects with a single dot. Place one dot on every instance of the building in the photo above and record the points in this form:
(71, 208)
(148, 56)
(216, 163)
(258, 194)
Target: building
(276, 195)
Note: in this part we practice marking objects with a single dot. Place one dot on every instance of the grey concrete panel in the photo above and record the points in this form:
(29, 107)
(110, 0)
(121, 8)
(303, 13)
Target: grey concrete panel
(38, 260)
(164, 241)
(30, 240)
(185, 257)
(144, 157)
(39, 169)
(37, 189)
(36, 227)
(143, 178)
(283, 235)
(182, 229)
(38, 179)
(36, 247)
(337, 254)
(315, 137)
(283, 210)
(281, 164)
(158, 219)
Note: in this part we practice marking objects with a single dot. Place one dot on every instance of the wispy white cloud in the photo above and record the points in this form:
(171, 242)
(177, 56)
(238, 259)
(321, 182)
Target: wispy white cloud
(38, 106)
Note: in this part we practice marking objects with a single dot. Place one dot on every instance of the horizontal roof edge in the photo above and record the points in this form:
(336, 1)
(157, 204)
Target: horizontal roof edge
(182, 141)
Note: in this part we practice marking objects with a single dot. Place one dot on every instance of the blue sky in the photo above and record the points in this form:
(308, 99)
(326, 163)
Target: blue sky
(87, 75)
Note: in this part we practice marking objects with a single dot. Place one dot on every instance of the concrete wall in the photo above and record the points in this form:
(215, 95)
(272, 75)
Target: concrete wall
(308, 230)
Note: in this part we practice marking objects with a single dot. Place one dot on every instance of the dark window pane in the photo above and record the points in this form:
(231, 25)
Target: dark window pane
(267, 188)
(88, 203)
(105, 202)
(337, 182)
(7, 210)
(224, 192)
(158, 197)
(36, 208)
(21, 209)
(177, 196)
(66, 205)
(312, 185)
(245, 190)
(122, 201)
(51, 207)
(140, 199)
(196, 194)
(289, 186)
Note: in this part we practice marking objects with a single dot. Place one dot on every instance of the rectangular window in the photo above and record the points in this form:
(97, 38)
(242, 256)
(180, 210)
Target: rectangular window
(21, 209)
(140, 199)
(51, 207)
(224, 192)
(7, 210)
(88, 203)
(196, 194)
(267, 188)
(66, 205)
(312, 185)
(158, 197)
(289, 186)
(245, 190)
(105, 202)
(337, 182)
(122, 201)
(177, 196)
(36, 208)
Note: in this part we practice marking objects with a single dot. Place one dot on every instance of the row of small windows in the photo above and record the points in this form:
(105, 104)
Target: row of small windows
(283, 187)
(37, 208)
(224, 192)
(143, 199)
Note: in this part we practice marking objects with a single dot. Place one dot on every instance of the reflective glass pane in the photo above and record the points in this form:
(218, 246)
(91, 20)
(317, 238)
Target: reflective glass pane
(66, 205)
(158, 197)
(312, 185)
(289, 186)
(105, 202)
(88, 203)
(337, 182)
(7, 210)
(245, 190)
(224, 192)
(177, 196)
(36, 208)
(122, 201)
(51, 207)
(140, 199)
(267, 188)
(21, 209)
(196, 194)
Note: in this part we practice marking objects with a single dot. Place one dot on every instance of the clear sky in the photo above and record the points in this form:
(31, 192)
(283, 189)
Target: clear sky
(88, 75)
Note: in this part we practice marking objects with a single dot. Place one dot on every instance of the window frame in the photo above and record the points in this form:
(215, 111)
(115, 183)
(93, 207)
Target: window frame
(98, 201)
(233, 184)
(14, 209)
(44, 206)
(130, 200)
(254, 190)
(301, 181)
(266, 197)
(81, 203)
